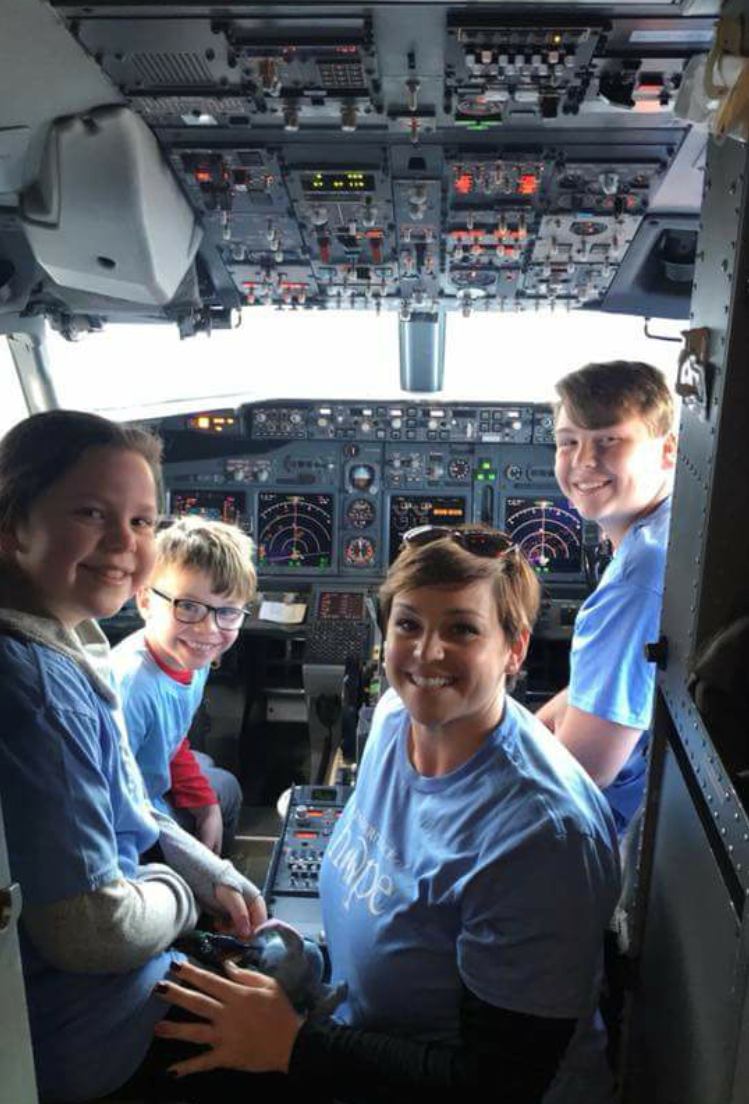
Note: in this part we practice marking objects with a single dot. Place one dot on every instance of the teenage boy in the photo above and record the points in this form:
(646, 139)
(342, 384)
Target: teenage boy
(193, 609)
(614, 461)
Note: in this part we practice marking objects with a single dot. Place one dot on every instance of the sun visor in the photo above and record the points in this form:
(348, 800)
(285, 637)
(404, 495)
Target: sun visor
(106, 216)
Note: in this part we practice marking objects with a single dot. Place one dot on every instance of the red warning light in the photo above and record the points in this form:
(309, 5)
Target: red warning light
(528, 184)
(464, 183)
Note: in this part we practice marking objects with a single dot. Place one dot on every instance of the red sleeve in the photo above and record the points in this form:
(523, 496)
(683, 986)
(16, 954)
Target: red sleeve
(190, 787)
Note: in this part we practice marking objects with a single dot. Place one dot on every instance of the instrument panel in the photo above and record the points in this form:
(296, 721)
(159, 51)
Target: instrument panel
(328, 489)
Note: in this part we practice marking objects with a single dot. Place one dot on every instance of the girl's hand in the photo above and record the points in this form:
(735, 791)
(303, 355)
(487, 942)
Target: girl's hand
(245, 1020)
(241, 919)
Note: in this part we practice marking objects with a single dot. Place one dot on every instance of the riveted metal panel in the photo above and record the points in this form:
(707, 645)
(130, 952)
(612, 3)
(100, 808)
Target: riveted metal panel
(684, 1036)
(692, 931)
(722, 304)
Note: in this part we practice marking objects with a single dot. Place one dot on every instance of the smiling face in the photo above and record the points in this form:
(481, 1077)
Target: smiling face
(447, 658)
(613, 475)
(87, 542)
(185, 647)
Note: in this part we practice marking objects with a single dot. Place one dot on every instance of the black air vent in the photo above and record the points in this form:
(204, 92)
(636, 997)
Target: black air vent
(172, 69)
(189, 105)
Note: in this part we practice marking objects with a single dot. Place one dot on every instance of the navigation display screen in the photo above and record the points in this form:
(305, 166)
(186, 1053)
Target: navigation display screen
(409, 511)
(549, 531)
(215, 505)
(294, 531)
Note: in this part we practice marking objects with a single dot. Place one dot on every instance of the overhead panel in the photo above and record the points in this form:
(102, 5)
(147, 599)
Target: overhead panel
(409, 158)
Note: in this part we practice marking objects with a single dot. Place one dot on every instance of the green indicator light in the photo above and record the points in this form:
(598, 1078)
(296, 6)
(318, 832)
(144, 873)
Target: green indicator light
(486, 465)
(492, 475)
(480, 477)
(473, 125)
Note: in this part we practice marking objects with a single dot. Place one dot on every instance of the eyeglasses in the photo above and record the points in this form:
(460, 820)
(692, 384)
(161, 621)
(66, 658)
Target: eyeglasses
(481, 542)
(189, 612)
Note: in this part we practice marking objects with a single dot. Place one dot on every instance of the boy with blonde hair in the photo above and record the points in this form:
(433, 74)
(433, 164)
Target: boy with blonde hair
(193, 608)
(616, 453)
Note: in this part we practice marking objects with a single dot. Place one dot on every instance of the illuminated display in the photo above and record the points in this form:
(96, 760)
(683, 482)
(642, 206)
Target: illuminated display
(295, 531)
(340, 605)
(338, 183)
(464, 183)
(409, 511)
(215, 505)
(212, 423)
(325, 793)
(549, 531)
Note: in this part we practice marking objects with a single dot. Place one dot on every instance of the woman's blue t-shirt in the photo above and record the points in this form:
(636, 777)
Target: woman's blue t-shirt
(500, 875)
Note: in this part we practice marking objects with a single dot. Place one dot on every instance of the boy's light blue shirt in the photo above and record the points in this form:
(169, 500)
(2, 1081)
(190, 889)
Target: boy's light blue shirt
(158, 711)
(609, 674)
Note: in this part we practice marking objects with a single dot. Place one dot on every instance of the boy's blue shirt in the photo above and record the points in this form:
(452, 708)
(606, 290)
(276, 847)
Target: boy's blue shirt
(158, 711)
(609, 674)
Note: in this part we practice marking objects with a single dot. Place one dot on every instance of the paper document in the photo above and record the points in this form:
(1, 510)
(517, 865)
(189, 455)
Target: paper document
(283, 613)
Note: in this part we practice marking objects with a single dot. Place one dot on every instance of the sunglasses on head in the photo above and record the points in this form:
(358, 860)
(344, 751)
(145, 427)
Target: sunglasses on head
(481, 542)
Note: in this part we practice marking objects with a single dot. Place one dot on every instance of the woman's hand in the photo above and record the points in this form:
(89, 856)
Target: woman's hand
(246, 1020)
(241, 918)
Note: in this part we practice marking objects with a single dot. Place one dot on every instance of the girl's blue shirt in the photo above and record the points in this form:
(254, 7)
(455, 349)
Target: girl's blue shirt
(76, 818)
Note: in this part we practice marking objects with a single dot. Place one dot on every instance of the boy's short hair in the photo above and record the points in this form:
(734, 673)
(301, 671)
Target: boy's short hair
(223, 551)
(602, 394)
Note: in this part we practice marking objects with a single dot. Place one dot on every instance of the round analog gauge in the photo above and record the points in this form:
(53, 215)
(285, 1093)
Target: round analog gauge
(361, 477)
(458, 468)
(587, 228)
(360, 513)
(359, 552)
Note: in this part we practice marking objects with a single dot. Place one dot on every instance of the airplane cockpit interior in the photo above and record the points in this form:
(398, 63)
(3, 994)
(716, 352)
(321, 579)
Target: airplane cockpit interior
(197, 167)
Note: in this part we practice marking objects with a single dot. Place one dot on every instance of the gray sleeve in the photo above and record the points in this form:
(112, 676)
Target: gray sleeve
(116, 928)
(201, 869)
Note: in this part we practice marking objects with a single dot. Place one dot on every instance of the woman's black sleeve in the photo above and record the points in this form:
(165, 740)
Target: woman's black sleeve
(517, 1053)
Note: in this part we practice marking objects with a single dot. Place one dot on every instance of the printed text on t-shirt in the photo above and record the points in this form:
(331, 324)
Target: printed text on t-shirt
(354, 855)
